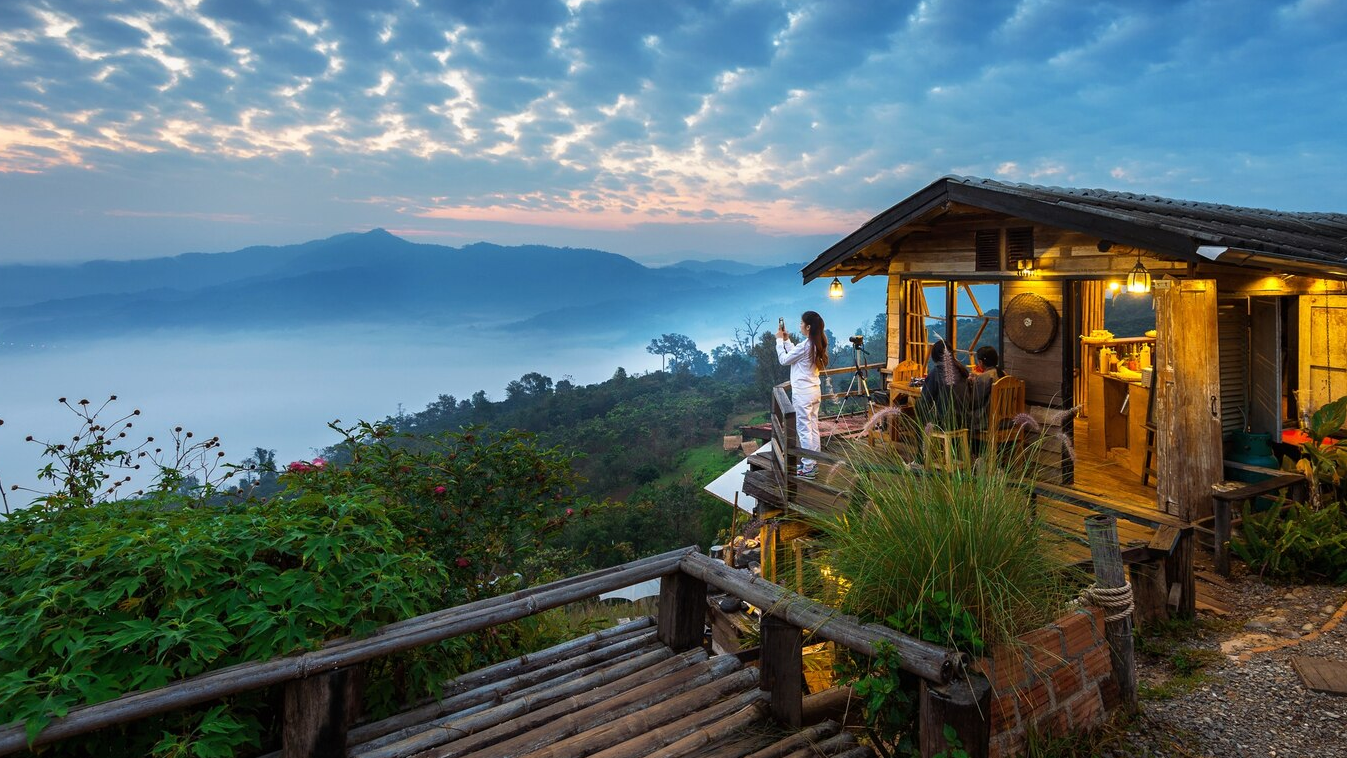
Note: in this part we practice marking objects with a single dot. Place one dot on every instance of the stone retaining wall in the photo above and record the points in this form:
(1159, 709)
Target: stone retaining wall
(1058, 679)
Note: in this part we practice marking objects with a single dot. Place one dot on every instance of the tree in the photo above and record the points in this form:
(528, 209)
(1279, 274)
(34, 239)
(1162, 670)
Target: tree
(682, 353)
(746, 335)
(532, 384)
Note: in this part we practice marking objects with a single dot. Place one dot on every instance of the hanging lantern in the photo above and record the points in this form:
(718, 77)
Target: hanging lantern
(1139, 279)
(835, 289)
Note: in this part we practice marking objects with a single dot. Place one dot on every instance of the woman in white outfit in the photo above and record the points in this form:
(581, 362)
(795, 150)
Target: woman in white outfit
(805, 360)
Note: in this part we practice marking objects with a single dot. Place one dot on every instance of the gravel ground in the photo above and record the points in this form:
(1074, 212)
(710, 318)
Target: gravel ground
(1246, 703)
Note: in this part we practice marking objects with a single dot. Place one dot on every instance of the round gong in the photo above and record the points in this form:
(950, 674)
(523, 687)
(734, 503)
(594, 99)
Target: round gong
(1030, 322)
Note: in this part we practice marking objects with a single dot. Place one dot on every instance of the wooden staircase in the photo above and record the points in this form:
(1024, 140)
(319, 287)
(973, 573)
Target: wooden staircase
(615, 694)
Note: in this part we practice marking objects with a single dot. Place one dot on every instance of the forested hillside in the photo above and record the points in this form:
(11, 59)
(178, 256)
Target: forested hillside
(644, 445)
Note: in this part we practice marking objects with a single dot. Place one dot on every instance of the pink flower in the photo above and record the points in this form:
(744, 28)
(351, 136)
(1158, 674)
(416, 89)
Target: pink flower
(440, 490)
(319, 462)
(462, 562)
(570, 511)
(298, 467)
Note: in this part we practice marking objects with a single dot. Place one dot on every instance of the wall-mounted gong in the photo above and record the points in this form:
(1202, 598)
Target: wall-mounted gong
(1030, 322)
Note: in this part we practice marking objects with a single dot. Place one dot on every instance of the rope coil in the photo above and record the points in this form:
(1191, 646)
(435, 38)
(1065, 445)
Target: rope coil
(1116, 602)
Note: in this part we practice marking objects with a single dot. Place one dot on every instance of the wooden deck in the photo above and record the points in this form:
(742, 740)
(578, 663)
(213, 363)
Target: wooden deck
(612, 694)
(1145, 534)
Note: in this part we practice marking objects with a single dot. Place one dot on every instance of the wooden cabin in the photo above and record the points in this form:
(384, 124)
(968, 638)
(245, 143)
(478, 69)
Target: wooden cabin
(1250, 318)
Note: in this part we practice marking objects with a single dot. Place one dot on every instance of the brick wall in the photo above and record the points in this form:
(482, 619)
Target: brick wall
(1057, 679)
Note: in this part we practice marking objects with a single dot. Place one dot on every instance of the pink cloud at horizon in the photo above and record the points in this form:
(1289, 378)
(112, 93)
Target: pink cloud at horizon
(776, 217)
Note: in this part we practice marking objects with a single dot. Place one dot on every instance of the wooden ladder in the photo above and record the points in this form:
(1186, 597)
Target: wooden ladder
(1148, 466)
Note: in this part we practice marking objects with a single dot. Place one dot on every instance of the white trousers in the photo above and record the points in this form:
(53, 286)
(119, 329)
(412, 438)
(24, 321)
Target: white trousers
(806, 405)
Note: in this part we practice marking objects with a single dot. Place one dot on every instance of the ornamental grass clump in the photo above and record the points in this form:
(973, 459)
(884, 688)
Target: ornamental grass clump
(957, 558)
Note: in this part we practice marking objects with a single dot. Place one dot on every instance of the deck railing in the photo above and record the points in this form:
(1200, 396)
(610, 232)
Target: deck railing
(316, 688)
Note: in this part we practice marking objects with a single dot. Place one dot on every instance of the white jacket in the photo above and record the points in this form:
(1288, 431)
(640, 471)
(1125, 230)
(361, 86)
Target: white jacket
(803, 375)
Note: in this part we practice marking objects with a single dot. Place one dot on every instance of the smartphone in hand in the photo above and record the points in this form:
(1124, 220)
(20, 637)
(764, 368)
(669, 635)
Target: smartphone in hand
(780, 324)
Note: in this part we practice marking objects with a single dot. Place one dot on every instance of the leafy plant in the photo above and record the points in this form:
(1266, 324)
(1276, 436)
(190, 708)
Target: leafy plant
(887, 709)
(482, 502)
(1296, 543)
(124, 596)
(942, 621)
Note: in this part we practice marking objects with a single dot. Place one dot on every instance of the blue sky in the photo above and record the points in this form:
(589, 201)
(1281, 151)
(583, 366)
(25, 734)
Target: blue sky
(754, 130)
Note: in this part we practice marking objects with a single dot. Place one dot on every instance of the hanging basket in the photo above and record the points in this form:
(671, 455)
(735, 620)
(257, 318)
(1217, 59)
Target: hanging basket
(1030, 323)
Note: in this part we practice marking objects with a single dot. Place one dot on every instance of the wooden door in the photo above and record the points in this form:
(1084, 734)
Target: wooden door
(1323, 350)
(1187, 384)
(1265, 365)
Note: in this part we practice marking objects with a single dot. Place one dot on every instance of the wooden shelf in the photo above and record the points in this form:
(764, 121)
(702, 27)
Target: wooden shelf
(1115, 341)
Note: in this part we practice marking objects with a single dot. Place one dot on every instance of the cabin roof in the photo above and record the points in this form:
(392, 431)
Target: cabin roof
(1185, 229)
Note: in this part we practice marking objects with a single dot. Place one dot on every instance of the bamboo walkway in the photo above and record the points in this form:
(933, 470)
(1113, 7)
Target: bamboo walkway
(619, 693)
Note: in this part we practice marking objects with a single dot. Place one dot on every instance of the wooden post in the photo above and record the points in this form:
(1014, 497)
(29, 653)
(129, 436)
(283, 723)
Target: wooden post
(316, 712)
(1102, 531)
(783, 669)
(1221, 525)
(682, 611)
(1180, 576)
(965, 706)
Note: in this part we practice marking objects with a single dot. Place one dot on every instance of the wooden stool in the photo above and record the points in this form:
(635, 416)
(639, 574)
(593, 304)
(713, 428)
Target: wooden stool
(947, 450)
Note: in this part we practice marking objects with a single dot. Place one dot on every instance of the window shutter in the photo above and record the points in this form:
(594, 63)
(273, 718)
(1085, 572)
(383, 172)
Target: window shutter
(1019, 245)
(987, 248)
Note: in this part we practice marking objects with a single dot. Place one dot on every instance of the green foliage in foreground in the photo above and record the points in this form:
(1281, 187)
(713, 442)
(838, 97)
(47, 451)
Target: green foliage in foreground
(1296, 544)
(125, 596)
(482, 502)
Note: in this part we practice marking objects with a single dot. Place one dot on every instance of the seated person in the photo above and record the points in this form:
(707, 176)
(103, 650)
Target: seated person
(984, 375)
(945, 395)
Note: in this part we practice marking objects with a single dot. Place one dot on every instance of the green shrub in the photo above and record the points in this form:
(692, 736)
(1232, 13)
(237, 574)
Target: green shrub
(482, 501)
(954, 557)
(123, 596)
(1296, 544)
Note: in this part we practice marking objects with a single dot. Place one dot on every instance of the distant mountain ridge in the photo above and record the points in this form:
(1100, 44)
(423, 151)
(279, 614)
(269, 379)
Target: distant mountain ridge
(377, 277)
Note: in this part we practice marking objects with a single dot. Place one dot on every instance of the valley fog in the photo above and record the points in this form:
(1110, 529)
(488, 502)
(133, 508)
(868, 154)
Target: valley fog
(276, 389)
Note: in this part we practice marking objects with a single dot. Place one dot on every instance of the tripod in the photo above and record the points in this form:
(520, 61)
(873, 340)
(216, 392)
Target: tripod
(858, 386)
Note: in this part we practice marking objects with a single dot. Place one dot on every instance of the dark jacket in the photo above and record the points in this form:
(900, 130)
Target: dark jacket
(945, 405)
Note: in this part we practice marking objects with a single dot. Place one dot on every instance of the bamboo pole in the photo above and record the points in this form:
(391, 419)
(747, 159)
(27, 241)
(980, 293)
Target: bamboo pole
(803, 738)
(607, 682)
(600, 667)
(923, 659)
(649, 717)
(738, 749)
(592, 667)
(1102, 532)
(691, 734)
(390, 639)
(831, 745)
(580, 712)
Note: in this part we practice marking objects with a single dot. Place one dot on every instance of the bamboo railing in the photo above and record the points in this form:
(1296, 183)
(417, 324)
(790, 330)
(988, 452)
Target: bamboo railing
(318, 676)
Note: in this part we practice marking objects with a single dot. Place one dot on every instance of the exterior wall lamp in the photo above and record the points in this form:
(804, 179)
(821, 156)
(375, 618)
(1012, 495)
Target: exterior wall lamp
(1139, 279)
(1025, 267)
(835, 289)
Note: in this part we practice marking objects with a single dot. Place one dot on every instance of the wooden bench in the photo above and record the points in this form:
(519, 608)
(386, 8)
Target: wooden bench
(1157, 547)
(1229, 497)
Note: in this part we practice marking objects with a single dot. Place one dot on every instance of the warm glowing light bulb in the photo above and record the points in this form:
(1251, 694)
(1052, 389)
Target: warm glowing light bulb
(835, 289)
